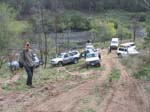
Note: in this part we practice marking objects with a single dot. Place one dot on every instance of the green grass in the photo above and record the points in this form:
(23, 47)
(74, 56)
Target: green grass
(114, 76)
(87, 110)
(40, 77)
(85, 100)
(90, 110)
(101, 44)
(5, 72)
(143, 74)
(43, 76)
(81, 68)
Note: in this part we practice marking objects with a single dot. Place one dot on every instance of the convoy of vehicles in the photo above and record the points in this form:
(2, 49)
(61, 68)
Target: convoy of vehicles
(92, 56)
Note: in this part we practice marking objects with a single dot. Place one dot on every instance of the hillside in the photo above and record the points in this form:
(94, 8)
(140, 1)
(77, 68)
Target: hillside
(68, 59)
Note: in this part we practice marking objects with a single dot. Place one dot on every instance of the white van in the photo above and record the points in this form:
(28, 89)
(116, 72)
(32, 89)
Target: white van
(114, 43)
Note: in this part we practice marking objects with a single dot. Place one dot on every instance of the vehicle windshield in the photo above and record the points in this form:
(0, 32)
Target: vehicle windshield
(114, 42)
(91, 55)
(90, 47)
(122, 49)
(74, 53)
(60, 56)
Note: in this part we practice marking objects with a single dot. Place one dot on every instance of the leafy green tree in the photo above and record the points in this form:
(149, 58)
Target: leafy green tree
(104, 31)
(9, 31)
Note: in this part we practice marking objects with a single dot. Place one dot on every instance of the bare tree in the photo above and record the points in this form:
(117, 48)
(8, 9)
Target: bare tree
(134, 27)
(45, 37)
(145, 3)
(57, 8)
(40, 23)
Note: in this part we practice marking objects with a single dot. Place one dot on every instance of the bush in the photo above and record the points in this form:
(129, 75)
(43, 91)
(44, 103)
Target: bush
(142, 19)
(143, 74)
(76, 22)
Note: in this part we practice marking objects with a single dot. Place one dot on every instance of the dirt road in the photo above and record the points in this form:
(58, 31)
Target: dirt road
(95, 95)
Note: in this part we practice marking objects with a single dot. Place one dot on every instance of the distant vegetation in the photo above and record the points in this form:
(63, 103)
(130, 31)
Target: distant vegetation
(33, 20)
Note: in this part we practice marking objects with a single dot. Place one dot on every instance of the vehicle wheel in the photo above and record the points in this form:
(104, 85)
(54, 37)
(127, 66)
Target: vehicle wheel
(75, 61)
(119, 55)
(60, 64)
(99, 65)
(87, 66)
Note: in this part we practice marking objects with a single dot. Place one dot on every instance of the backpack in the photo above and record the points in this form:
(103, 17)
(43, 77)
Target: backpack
(21, 65)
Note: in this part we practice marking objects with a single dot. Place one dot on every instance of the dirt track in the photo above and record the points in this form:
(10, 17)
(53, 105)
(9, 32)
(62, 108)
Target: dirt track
(126, 95)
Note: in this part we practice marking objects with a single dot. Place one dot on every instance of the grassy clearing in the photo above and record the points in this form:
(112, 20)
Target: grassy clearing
(44, 76)
(41, 77)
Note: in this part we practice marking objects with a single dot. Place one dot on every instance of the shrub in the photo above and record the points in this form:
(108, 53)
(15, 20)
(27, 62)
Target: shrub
(143, 74)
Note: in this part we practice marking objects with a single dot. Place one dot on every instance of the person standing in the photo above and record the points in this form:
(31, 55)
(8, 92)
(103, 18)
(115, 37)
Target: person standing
(26, 58)
(109, 49)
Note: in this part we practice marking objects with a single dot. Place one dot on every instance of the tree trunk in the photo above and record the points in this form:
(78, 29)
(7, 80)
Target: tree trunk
(45, 37)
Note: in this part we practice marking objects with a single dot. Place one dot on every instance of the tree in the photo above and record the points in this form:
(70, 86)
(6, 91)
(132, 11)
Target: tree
(102, 31)
(145, 3)
(8, 32)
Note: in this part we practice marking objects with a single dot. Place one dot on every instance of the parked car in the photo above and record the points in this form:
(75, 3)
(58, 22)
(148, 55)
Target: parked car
(83, 54)
(129, 45)
(36, 60)
(114, 43)
(89, 46)
(14, 65)
(92, 59)
(125, 51)
(62, 59)
(75, 54)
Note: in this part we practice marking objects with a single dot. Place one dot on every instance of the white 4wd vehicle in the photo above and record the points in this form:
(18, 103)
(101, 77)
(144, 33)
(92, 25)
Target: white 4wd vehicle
(36, 61)
(89, 46)
(129, 45)
(62, 59)
(92, 59)
(75, 54)
(124, 51)
(114, 43)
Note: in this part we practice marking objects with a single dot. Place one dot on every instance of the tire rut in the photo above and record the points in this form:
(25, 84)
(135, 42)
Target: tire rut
(126, 96)
(65, 102)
